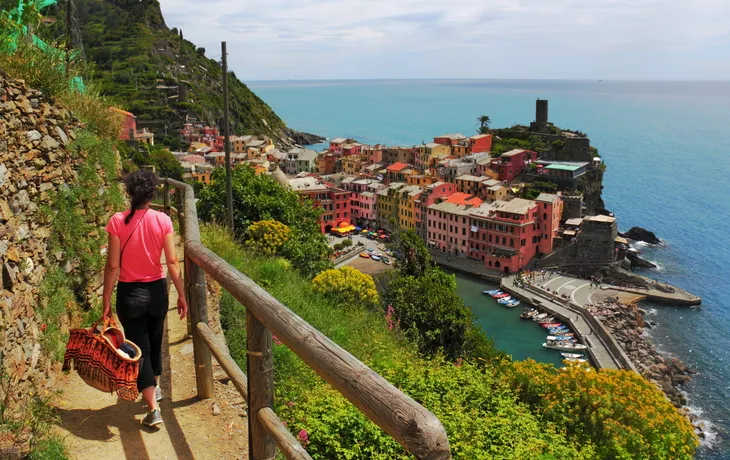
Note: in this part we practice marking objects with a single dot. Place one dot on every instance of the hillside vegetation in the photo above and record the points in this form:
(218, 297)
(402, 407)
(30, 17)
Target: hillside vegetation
(155, 73)
(491, 407)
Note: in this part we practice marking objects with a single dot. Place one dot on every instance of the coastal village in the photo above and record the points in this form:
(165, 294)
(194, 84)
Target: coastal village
(516, 217)
(461, 199)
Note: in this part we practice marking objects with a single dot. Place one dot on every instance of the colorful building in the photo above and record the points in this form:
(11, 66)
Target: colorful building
(449, 139)
(363, 201)
(326, 163)
(373, 154)
(352, 164)
(550, 213)
(511, 164)
(300, 160)
(469, 146)
(408, 206)
(397, 172)
(504, 235)
(483, 168)
(430, 194)
(334, 202)
(427, 155)
(399, 155)
(470, 184)
(387, 204)
(448, 224)
(129, 125)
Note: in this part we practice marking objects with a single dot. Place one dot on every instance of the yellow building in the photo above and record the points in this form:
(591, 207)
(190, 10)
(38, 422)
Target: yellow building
(195, 146)
(407, 197)
(387, 203)
(420, 179)
(202, 176)
(497, 192)
(352, 164)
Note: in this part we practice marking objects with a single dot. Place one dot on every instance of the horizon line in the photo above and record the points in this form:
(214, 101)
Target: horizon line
(490, 79)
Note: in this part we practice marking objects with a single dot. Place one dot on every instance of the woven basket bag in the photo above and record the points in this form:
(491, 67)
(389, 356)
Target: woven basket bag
(95, 359)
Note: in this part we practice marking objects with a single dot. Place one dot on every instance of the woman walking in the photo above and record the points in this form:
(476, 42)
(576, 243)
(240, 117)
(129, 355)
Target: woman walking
(137, 238)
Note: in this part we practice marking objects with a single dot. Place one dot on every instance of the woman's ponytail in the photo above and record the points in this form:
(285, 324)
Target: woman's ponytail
(141, 187)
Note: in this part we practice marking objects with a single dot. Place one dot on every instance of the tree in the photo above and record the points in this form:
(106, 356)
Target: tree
(259, 197)
(348, 286)
(412, 256)
(430, 312)
(483, 124)
(166, 164)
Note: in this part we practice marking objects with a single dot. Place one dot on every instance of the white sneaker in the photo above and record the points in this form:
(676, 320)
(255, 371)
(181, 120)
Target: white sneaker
(158, 394)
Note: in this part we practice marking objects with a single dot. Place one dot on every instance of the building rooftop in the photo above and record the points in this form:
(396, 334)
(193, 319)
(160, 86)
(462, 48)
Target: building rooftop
(308, 184)
(432, 145)
(601, 219)
(496, 188)
(563, 167)
(338, 140)
(452, 208)
(307, 155)
(455, 136)
(512, 153)
(516, 206)
(479, 136)
(367, 194)
(396, 167)
(547, 197)
(471, 178)
(463, 199)
(491, 182)
(574, 222)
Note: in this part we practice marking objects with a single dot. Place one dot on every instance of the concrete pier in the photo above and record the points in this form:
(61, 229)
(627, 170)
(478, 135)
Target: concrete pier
(602, 347)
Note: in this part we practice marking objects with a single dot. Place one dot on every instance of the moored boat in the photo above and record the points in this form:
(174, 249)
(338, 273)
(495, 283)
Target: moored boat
(564, 345)
(572, 355)
(504, 300)
(528, 313)
(548, 325)
(493, 291)
(513, 303)
(501, 296)
(539, 317)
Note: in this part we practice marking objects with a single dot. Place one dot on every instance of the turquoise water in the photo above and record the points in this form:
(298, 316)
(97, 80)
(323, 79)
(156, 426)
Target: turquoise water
(666, 146)
(520, 338)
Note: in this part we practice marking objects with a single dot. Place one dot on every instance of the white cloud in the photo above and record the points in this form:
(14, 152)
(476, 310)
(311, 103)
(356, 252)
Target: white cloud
(629, 39)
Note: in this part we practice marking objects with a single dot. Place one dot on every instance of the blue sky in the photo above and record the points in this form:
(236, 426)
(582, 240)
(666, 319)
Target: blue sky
(534, 39)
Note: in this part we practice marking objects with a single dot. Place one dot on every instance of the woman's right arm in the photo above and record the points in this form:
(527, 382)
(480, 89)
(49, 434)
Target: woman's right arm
(174, 269)
(111, 271)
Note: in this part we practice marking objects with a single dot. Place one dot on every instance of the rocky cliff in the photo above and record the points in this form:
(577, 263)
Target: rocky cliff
(43, 162)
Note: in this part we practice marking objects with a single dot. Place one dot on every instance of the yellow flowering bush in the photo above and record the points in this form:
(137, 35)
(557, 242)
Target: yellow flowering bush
(622, 414)
(267, 236)
(349, 286)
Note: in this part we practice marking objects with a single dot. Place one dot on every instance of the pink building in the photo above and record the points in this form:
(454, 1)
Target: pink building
(504, 235)
(430, 194)
(350, 148)
(511, 164)
(549, 213)
(363, 199)
(449, 139)
(448, 223)
(373, 154)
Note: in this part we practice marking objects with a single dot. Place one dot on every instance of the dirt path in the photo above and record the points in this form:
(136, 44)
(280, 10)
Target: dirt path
(97, 425)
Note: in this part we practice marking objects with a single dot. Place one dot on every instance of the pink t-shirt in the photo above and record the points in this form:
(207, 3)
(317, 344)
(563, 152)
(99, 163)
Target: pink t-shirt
(141, 257)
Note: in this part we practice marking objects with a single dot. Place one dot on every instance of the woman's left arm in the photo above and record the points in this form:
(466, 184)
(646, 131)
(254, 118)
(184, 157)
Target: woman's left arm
(111, 271)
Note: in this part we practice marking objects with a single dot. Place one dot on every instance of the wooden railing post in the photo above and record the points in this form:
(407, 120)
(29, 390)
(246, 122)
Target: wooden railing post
(180, 200)
(260, 371)
(197, 302)
(166, 198)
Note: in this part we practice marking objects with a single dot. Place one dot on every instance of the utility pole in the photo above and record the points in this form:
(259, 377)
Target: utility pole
(226, 138)
(68, 36)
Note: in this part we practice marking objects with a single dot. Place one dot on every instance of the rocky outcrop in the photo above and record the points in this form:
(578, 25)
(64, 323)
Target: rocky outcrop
(626, 323)
(638, 262)
(641, 234)
(301, 138)
(35, 162)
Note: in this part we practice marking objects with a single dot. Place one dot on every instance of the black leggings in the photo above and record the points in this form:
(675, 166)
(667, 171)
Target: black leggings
(142, 308)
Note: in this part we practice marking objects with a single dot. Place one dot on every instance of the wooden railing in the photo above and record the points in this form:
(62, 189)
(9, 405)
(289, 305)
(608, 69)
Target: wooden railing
(409, 423)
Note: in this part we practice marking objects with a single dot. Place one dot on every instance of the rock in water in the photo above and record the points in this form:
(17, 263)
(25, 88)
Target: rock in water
(641, 234)
(638, 262)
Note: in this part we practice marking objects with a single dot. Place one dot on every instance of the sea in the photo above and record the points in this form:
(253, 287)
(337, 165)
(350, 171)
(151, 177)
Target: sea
(667, 149)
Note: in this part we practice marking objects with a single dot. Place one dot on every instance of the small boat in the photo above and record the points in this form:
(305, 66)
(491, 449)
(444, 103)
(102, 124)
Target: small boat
(497, 292)
(365, 255)
(549, 319)
(492, 292)
(539, 317)
(548, 325)
(528, 313)
(513, 303)
(504, 300)
(565, 334)
(501, 296)
(375, 257)
(386, 261)
(563, 345)
(558, 330)
(559, 337)
(572, 355)
(576, 360)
